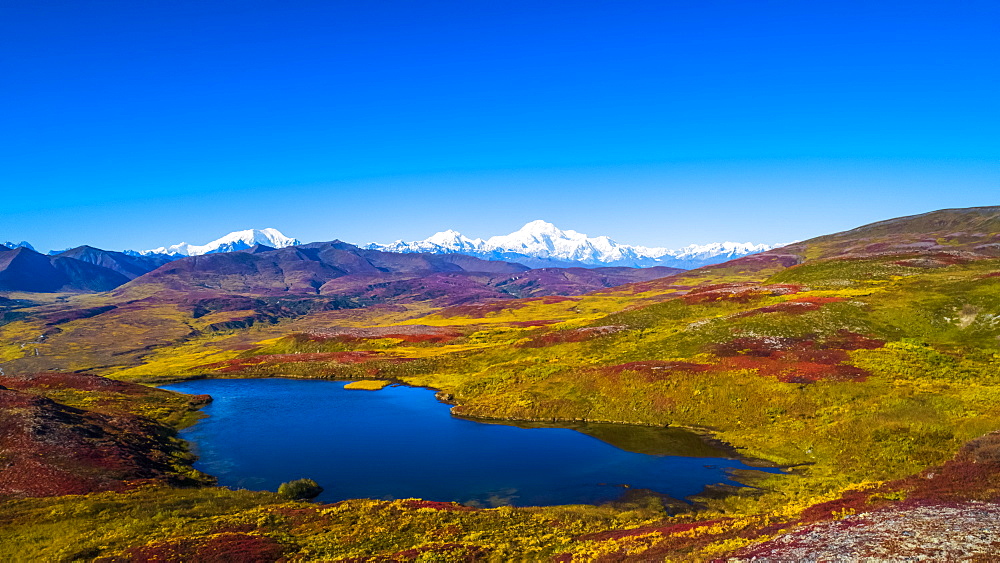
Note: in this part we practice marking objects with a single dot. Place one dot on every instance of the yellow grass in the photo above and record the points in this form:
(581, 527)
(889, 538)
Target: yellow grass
(367, 384)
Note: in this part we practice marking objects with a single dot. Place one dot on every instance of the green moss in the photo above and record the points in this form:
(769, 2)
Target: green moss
(108, 524)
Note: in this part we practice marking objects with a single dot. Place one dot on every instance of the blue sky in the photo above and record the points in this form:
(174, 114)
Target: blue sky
(136, 124)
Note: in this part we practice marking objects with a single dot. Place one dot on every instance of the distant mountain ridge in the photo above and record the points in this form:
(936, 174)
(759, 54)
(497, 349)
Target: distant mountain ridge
(15, 245)
(238, 240)
(562, 262)
(362, 276)
(537, 244)
(79, 269)
(336, 269)
(541, 244)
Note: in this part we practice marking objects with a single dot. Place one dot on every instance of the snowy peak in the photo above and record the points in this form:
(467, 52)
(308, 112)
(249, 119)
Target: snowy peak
(537, 244)
(247, 239)
(734, 249)
(539, 229)
(453, 239)
(540, 243)
(13, 245)
(239, 240)
(541, 239)
(537, 235)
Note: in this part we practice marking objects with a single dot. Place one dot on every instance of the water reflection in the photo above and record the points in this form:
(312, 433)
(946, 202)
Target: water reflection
(400, 442)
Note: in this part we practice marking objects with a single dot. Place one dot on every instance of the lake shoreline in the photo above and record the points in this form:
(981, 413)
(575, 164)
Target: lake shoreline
(718, 459)
(706, 434)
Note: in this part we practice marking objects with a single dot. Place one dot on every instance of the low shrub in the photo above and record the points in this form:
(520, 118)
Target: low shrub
(300, 489)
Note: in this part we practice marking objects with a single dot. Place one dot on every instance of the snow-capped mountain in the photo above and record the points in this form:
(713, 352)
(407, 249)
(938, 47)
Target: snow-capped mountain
(13, 245)
(542, 244)
(238, 240)
(538, 244)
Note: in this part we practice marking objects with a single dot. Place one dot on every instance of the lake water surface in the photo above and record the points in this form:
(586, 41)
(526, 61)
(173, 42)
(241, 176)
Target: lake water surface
(400, 442)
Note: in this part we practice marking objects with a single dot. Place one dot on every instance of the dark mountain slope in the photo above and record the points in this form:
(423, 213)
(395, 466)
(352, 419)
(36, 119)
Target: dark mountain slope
(356, 260)
(23, 269)
(84, 276)
(129, 266)
(27, 270)
(255, 249)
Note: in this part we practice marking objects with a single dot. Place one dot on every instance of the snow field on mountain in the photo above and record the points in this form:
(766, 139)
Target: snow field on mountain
(543, 240)
(238, 240)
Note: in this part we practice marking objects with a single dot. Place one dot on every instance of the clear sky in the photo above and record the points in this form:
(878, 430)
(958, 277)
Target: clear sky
(135, 124)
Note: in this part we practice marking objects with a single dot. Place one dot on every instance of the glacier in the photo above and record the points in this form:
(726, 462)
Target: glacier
(238, 240)
(541, 244)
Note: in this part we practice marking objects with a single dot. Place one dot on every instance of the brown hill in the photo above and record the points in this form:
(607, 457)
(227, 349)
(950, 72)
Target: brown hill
(371, 276)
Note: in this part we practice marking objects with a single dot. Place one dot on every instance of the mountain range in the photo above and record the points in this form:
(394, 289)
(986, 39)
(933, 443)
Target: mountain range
(541, 244)
(324, 268)
(556, 258)
(537, 244)
(345, 271)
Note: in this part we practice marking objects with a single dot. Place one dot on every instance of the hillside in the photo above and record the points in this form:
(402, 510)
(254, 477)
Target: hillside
(975, 230)
(188, 300)
(23, 269)
(865, 363)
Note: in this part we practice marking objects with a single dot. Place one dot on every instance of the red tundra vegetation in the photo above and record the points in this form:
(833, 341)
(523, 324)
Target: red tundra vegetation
(736, 292)
(52, 449)
(572, 335)
(218, 548)
(794, 360)
(239, 364)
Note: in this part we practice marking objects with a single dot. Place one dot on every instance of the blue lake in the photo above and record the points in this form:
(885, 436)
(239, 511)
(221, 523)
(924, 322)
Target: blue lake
(400, 442)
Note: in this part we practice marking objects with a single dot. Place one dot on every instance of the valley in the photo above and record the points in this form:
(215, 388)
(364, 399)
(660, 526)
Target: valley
(863, 363)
